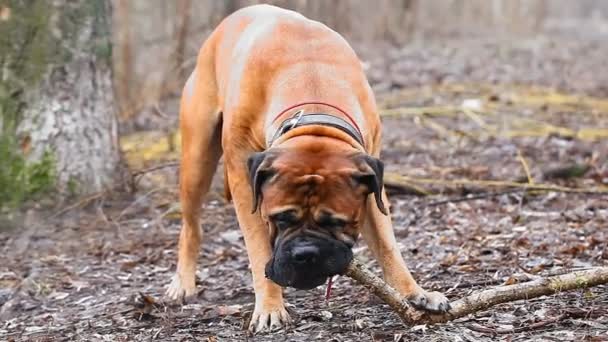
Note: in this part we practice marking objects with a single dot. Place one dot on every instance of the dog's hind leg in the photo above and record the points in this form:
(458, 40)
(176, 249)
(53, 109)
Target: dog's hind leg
(200, 126)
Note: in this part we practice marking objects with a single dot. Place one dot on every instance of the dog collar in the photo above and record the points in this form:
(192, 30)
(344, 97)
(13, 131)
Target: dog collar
(300, 119)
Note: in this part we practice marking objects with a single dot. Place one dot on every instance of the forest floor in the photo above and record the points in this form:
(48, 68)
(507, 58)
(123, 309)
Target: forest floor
(455, 115)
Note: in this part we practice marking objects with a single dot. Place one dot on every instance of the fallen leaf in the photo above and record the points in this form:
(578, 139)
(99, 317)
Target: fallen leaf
(128, 265)
(222, 311)
(231, 236)
(510, 281)
(5, 13)
(58, 295)
(422, 328)
(229, 310)
(144, 305)
(326, 315)
(472, 104)
(449, 260)
(575, 250)
(467, 268)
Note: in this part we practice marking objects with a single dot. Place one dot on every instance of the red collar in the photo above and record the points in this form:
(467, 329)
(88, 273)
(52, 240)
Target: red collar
(350, 118)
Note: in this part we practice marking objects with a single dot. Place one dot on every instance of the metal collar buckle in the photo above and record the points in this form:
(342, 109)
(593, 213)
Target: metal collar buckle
(296, 118)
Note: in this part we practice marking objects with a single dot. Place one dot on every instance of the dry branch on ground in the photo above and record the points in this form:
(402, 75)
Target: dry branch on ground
(480, 300)
(404, 184)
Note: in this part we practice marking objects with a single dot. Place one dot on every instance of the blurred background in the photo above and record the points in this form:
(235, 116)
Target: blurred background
(495, 117)
(173, 32)
(129, 60)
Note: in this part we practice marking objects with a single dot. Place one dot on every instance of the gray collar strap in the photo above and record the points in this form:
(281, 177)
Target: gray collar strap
(319, 119)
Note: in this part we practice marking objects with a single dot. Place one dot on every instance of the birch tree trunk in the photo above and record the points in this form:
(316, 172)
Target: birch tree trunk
(70, 112)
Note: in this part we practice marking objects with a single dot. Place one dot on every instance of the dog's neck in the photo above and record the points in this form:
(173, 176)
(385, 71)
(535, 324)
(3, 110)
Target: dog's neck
(320, 131)
(332, 122)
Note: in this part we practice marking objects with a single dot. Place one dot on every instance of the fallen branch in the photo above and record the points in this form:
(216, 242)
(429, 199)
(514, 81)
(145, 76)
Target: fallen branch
(472, 197)
(80, 203)
(136, 175)
(477, 301)
(527, 327)
(393, 188)
(396, 180)
(420, 111)
(154, 168)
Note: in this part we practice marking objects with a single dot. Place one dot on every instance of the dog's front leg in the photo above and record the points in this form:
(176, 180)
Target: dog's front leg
(378, 233)
(269, 312)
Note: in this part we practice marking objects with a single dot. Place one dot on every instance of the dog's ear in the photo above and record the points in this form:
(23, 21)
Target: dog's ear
(259, 166)
(370, 175)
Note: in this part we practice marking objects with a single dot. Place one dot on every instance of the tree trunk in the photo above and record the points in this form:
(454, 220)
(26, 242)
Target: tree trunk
(70, 112)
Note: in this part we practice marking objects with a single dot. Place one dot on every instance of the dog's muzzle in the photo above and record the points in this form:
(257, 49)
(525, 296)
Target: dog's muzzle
(305, 262)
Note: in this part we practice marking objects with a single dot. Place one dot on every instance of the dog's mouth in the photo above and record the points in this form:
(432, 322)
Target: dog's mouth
(300, 281)
(333, 258)
(308, 283)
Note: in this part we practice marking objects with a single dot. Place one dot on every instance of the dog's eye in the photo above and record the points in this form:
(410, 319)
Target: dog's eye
(332, 223)
(284, 220)
(283, 224)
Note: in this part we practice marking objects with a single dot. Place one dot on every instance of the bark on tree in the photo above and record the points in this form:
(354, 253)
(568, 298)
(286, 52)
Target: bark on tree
(71, 112)
(123, 54)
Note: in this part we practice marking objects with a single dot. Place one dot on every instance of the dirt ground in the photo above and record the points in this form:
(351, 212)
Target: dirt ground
(462, 111)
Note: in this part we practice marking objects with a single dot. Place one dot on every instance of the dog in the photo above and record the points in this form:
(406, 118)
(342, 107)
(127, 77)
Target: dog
(285, 100)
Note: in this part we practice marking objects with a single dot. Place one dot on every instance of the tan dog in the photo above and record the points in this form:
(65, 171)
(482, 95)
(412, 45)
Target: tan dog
(268, 79)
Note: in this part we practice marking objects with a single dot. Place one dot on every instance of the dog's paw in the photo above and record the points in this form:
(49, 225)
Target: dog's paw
(179, 289)
(434, 302)
(269, 319)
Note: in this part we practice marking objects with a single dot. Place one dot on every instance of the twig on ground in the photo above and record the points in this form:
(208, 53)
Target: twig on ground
(567, 172)
(137, 201)
(405, 189)
(525, 166)
(136, 175)
(395, 180)
(468, 285)
(473, 197)
(417, 111)
(108, 221)
(561, 172)
(441, 130)
(157, 333)
(527, 327)
(155, 168)
(160, 112)
(477, 301)
(490, 129)
(80, 203)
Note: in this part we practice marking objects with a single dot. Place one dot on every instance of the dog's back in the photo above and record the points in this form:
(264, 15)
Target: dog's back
(263, 50)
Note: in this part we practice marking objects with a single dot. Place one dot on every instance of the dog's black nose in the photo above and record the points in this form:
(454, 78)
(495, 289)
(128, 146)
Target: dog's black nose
(305, 254)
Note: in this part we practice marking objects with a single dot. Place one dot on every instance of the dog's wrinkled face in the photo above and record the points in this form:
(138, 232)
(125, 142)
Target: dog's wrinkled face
(311, 200)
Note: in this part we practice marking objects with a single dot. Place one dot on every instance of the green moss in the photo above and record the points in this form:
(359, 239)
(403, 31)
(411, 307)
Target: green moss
(20, 180)
(31, 42)
(26, 47)
(581, 281)
(72, 187)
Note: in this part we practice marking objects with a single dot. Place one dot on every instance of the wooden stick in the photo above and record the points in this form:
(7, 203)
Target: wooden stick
(395, 179)
(525, 166)
(360, 273)
(154, 168)
(477, 301)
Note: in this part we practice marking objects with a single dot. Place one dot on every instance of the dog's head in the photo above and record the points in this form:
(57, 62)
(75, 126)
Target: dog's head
(311, 197)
